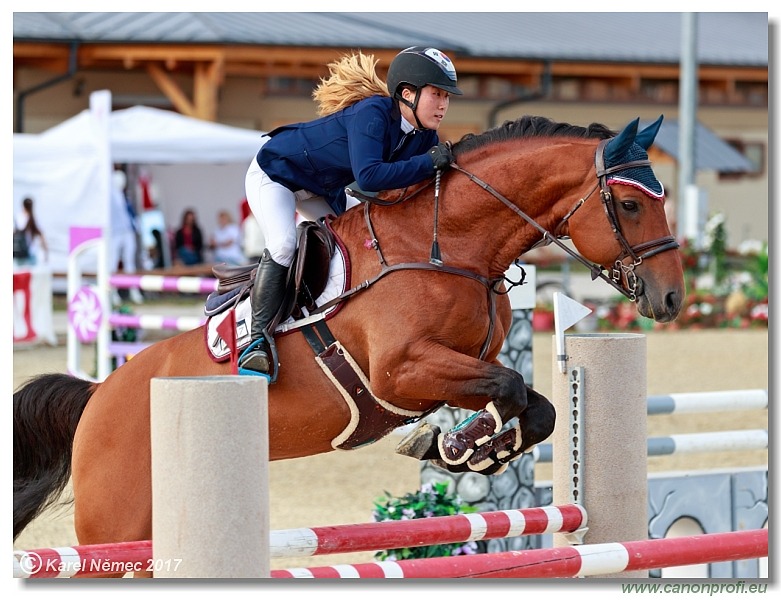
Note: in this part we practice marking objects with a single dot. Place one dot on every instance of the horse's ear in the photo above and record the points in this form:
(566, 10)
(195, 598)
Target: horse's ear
(616, 147)
(646, 137)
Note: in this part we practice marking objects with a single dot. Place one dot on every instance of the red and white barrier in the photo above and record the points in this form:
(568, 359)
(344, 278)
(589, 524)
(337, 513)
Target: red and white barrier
(567, 561)
(427, 532)
(115, 558)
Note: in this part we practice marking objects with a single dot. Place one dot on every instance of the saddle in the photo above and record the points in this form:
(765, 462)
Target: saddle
(306, 279)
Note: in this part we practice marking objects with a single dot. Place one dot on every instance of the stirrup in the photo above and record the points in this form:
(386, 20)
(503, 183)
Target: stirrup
(253, 347)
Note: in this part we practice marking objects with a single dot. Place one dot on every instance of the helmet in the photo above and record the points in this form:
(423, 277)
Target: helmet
(420, 66)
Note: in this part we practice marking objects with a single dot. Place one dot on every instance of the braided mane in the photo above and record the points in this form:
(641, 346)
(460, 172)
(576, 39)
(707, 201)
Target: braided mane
(527, 127)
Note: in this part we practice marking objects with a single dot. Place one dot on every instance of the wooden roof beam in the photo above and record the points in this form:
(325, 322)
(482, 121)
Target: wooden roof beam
(171, 90)
(92, 53)
(209, 77)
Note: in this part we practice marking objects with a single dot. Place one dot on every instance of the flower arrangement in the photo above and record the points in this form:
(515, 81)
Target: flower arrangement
(432, 500)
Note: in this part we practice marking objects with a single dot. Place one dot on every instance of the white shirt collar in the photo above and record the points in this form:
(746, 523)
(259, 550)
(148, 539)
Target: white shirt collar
(406, 126)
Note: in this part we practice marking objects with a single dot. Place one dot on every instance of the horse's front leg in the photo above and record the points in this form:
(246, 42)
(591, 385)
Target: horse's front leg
(492, 457)
(497, 393)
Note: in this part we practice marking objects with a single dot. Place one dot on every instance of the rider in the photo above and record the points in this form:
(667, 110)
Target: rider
(378, 135)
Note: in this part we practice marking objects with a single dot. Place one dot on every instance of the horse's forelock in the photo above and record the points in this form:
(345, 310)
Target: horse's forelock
(528, 127)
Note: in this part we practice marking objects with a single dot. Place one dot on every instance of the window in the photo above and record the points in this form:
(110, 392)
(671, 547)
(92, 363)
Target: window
(754, 152)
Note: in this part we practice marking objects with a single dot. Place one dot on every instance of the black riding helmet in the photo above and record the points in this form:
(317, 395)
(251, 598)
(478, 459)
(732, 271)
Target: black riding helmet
(420, 66)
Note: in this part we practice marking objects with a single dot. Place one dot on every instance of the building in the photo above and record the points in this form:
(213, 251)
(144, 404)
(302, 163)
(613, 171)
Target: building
(257, 71)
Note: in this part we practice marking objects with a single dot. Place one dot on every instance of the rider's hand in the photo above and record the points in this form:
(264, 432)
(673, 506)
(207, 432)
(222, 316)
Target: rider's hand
(441, 156)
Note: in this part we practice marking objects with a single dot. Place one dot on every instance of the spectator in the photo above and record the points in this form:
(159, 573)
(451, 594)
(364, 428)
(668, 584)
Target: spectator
(38, 251)
(188, 240)
(226, 241)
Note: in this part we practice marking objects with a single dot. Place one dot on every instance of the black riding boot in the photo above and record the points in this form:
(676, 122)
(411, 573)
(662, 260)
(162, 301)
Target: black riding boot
(267, 296)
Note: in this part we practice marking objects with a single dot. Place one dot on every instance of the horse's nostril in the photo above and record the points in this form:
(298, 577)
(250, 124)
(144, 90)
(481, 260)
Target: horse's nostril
(672, 302)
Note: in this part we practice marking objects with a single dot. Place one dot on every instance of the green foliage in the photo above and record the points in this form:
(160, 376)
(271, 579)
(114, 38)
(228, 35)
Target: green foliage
(756, 288)
(716, 246)
(432, 500)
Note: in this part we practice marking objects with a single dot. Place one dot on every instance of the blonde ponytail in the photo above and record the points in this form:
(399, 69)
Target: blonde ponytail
(352, 78)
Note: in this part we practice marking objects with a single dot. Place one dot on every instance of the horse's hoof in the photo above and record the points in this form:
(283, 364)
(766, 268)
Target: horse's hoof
(421, 442)
(493, 457)
(457, 445)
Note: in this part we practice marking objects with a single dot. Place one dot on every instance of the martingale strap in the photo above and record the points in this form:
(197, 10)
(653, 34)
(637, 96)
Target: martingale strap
(370, 418)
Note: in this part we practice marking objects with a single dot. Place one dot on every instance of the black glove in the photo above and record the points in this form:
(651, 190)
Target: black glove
(441, 156)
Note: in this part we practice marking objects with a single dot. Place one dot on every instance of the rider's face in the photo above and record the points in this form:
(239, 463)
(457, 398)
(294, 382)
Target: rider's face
(432, 106)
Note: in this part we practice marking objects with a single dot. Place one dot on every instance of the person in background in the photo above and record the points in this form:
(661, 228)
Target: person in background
(382, 135)
(123, 242)
(188, 240)
(38, 251)
(226, 241)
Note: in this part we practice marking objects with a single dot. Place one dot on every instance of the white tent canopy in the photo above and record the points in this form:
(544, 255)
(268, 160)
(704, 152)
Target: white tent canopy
(152, 136)
(66, 169)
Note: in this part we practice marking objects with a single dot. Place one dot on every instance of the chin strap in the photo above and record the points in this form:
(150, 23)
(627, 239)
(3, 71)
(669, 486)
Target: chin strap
(412, 106)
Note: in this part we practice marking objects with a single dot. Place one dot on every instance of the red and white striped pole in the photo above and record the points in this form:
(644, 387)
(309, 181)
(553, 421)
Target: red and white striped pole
(67, 561)
(566, 561)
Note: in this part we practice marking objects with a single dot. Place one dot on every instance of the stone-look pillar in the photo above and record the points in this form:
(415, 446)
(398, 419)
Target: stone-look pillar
(210, 508)
(612, 442)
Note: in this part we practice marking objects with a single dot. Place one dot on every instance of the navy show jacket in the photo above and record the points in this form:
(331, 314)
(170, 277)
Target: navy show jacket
(360, 143)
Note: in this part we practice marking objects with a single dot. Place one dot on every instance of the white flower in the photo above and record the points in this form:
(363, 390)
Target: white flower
(750, 247)
(760, 311)
(713, 225)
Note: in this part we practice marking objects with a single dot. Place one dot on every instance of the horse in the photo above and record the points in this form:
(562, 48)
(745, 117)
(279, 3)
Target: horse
(423, 330)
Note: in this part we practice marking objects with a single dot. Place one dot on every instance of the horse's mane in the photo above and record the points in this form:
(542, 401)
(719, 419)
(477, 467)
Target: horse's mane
(527, 127)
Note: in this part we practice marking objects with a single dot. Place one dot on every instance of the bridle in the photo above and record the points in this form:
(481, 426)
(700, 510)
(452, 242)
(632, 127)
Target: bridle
(621, 270)
(648, 249)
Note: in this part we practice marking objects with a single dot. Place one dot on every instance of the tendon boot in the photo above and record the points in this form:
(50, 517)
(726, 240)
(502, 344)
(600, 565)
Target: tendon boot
(268, 293)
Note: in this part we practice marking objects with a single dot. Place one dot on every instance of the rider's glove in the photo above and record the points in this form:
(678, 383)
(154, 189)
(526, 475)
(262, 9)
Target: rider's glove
(441, 156)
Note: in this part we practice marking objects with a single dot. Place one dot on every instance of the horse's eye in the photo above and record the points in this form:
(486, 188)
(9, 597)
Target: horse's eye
(629, 206)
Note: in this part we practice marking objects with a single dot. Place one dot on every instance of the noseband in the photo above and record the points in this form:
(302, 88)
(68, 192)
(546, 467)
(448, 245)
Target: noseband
(621, 271)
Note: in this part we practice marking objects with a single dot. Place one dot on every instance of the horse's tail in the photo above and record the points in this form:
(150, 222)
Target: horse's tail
(46, 412)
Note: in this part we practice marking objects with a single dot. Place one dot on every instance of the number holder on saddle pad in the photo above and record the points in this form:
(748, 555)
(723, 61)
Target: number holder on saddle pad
(318, 273)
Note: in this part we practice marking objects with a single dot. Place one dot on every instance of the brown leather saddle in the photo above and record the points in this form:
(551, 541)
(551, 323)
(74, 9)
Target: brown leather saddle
(306, 278)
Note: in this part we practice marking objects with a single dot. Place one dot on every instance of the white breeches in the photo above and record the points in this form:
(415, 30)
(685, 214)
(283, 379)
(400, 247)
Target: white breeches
(275, 207)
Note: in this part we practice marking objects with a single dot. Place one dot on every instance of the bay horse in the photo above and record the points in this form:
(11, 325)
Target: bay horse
(425, 333)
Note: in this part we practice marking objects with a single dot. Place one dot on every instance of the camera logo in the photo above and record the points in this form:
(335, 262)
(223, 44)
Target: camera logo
(29, 562)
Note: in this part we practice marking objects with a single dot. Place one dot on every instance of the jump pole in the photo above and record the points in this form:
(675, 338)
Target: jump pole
(210, 506)
(600, 439)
